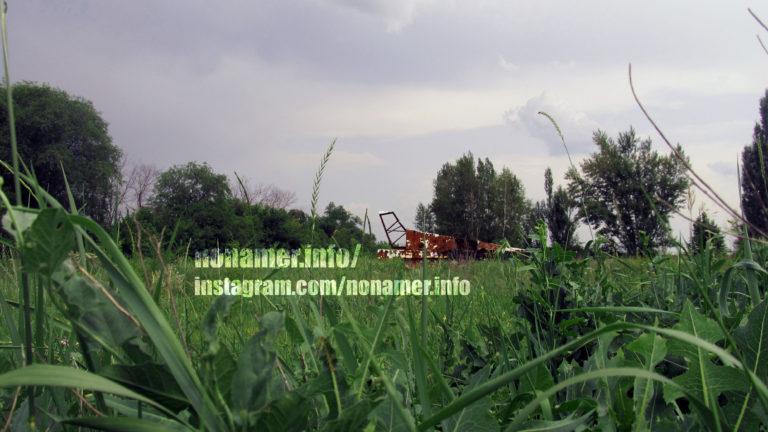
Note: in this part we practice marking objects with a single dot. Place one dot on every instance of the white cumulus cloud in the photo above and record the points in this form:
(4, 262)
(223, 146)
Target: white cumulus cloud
(577, 127)
(507, 65)
(723, 168)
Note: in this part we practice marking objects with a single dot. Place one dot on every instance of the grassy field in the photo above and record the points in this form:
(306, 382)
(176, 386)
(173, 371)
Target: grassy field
(546, 340)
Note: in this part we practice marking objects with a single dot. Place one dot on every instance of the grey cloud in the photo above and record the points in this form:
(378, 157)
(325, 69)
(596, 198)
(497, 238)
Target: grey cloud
(724, 168)
(396, 13)
(438, 41)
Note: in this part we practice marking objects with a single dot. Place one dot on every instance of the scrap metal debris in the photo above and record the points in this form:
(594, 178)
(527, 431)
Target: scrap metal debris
(410, 244)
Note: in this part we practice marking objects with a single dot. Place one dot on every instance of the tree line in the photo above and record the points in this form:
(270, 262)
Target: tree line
(616, 191)
(624, 192)
(187, 206)
(203, 209)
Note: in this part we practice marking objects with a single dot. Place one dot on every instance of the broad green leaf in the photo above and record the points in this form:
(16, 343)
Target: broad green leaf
(17, 220)
(752, 340)
(224, 367)
(280, 414)
(131, 408)
(536, 381)
(703, 378)
(291, 412)
(652, 348)
(354, 417)
(476, 417)
(48, 241)
(216, 314)
(139, 302)
(251, 382)
(341, 333)
(388, 417)
(221, 364)
(610, 402)
(88, 306)
(151, 380)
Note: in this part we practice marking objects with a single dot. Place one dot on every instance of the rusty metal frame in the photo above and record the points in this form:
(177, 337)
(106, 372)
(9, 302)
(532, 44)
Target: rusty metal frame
(436, 246)
(395, 228)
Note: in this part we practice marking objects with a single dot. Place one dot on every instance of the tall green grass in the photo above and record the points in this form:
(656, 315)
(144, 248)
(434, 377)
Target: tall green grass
(549, 340)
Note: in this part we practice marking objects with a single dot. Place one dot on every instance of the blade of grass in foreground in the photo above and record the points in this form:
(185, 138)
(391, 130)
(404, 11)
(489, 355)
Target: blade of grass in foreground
(492, 385)
(125, 424)
(140, 303)
(523, 414)
(388, 385)
(13, 330)
(24, 280)
(618, 309)
(418, 360)
(63, 376)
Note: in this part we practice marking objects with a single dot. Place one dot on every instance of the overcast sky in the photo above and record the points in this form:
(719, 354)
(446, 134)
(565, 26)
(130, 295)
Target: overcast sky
(262, 87)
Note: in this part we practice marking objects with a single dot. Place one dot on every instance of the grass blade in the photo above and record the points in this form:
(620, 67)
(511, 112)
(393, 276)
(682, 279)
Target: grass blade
(62, 376)
(600, 374)
(125, 424)
(140, 303)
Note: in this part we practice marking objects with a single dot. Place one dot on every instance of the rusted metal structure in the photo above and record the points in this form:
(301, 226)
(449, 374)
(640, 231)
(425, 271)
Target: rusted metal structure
(409, 244)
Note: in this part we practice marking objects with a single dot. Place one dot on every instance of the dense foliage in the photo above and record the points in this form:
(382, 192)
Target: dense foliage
(628, 191)
(705, 231)
(754, 180)
(560, 214)
(197, 204)
(425, 218)
(192, 208)
(59, 133)
(472, 200)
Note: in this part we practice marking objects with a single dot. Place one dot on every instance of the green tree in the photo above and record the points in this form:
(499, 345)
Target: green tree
(533, 219)
(425, 219)
(754, 175)
(511, 209)
(55, 129)
(486, 226)
(704, 231)
(472, 200)
(343, 228)
(560, 214)
(197, 203)
(628, 191)
(455, 199)
(280, 228)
